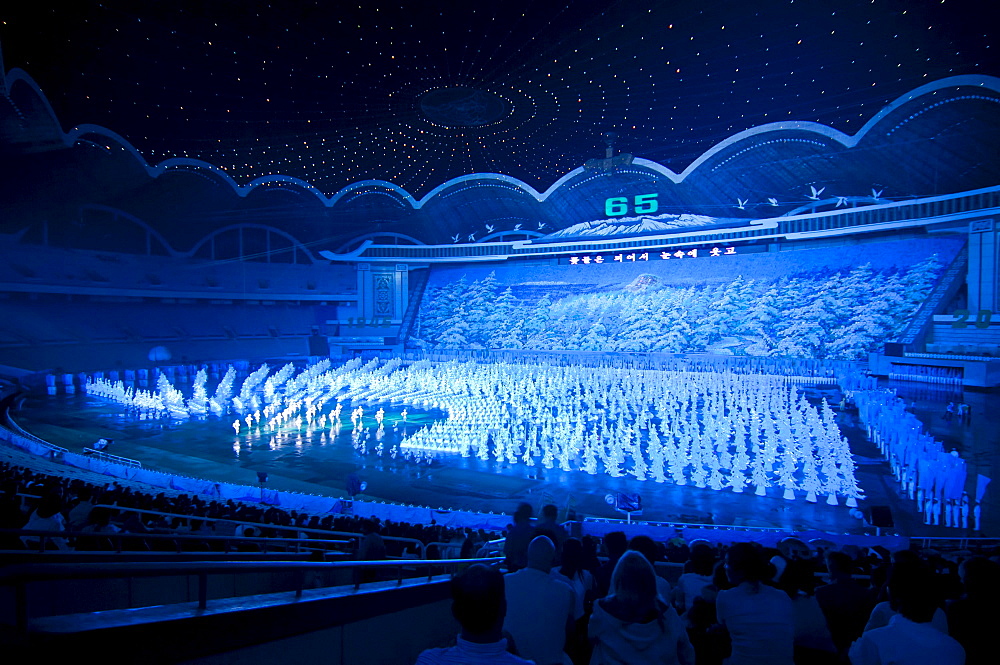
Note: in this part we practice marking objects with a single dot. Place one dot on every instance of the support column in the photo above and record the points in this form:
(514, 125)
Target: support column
(383, 291)
(402, 291)
(983, 274)
(366, 304)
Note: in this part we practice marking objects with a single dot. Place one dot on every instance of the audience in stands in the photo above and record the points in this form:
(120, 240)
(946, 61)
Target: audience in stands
(646, 546)
(633, 625)
(24, 491)
(616, 543)
(813, 641)
(479, 604)
(845, 603)
(549, 526)
(758, 617)
(731, 612)
(515, 547)
(884, 611)
(973, 617)
(909, 638)
(539, 607)
(696, 576)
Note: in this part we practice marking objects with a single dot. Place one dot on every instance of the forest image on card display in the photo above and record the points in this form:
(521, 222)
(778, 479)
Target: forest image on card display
(840, 303)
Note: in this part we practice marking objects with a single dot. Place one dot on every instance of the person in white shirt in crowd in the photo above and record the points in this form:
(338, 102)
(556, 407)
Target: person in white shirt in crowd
(539, 607)
(479, 605)
(79, 516)
(573, 572)
(46, 517)
(697, 575)
(884, 611)
(910, 637)
(758, 617)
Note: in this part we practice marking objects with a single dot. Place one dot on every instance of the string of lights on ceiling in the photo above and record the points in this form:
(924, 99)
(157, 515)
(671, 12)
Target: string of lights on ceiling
(417, 93)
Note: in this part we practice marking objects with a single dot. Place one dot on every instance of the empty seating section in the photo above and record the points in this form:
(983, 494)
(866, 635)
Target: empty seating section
(56, 321)
(34, 267)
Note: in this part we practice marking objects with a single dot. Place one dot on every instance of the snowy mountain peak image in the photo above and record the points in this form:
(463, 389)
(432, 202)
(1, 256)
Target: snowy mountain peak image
(642, 283)
(639, 225)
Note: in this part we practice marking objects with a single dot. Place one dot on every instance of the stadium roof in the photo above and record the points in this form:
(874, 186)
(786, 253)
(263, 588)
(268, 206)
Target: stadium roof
(453, 118)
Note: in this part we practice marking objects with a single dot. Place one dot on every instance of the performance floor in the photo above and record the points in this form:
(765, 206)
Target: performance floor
(318, 462)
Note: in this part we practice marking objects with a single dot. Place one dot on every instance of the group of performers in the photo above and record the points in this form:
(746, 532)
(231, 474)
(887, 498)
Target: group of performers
(713, 428)
(930, 475)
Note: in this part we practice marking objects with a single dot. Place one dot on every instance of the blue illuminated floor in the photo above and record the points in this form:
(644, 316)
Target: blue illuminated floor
(318, 461)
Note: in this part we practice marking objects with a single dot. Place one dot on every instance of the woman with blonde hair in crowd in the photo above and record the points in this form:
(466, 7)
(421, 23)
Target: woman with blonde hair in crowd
(632, 626)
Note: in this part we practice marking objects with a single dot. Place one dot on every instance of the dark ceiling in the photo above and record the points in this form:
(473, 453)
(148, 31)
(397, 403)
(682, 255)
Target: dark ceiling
(417, 93)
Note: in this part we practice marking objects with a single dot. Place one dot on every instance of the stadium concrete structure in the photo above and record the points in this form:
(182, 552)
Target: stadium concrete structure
(847, 262)
(93, 286)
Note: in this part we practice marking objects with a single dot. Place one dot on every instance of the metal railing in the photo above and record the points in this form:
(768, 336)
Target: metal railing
(421, 548)
(10, 430)
(118, 539)
(682, 525)
(19, 576)
(114, 459)
(945, 542)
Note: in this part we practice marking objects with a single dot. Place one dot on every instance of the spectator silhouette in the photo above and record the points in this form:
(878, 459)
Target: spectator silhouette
(696, 576)
(539, 607)
(573, 572)
(845, 603)
(909, 638)
(79, 516)
(711, 641)
(46, 517)
(973, 617)
(633, 625)
(479, 605)
(515, 546)
(616, 544)
(646, 546)
(813, 642)
(758, 617)
(549, 526)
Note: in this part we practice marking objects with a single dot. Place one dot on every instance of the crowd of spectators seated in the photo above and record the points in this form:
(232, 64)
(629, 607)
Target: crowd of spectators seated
(579, 601)
(740, 604)
(30, 500)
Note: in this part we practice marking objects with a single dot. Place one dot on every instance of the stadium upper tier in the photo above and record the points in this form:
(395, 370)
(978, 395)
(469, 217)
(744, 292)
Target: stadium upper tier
(939, 139)
(942, 211)
(30, 268)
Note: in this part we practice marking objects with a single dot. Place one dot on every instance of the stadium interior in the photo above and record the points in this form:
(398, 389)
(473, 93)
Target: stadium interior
(299, 309)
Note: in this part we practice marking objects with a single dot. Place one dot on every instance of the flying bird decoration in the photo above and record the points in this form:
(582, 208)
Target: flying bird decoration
(455, 237)
(815, 193)
(876, 195)
(841, 201)
(517, 227)
(472, 237)
(772, 201)
(541, 225)
(489, 228)
(741, 204)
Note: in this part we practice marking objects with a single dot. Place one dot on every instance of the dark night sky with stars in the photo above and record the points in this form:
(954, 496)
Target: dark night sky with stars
(336, 92)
